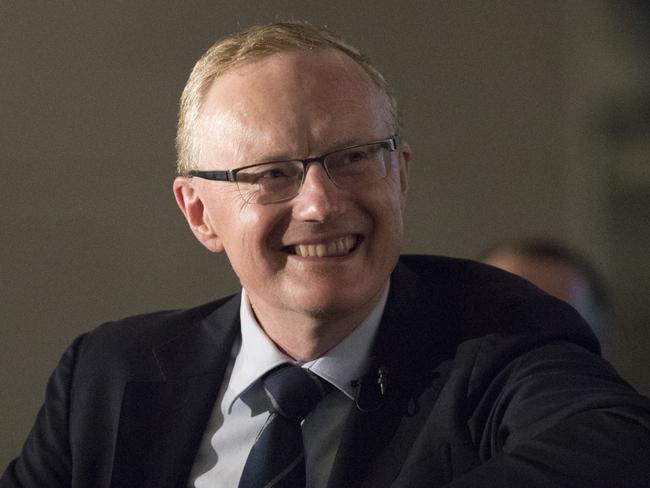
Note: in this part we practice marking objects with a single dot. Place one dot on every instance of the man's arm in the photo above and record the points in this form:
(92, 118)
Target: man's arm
(559, 416)
(46, 456)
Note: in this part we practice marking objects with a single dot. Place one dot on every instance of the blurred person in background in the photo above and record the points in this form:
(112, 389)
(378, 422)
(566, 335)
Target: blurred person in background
(560, 271)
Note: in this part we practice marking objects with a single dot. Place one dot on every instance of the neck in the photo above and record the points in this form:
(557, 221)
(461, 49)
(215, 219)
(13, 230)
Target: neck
(306, 342)
(307, 336)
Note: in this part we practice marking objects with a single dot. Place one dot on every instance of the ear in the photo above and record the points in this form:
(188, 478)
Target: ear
(404, 161)
(190, 202)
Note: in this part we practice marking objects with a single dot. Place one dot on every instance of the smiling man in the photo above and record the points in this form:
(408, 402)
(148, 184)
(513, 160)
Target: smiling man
(340, 363)
(312, 243)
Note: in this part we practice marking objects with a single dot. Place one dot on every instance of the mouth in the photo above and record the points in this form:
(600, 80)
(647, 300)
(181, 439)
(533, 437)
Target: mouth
(334, 248)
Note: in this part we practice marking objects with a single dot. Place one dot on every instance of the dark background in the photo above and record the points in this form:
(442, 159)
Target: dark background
(526, 118)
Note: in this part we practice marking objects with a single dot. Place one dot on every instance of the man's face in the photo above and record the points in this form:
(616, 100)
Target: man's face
(297, 105)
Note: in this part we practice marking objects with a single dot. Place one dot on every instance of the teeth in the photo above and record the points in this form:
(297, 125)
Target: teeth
(340, 245)
(321, 250)
(337, 247)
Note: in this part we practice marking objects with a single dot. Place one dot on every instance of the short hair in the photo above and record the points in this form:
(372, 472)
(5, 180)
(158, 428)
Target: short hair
(252, 44)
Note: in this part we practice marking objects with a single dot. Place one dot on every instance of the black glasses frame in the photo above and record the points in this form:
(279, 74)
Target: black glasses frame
(230, 175)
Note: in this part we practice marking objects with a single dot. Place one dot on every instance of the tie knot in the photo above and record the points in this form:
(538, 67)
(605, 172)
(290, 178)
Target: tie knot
(294, 391)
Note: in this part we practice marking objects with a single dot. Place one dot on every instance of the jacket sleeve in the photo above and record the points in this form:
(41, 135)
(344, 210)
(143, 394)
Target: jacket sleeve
(45, 460)
(557, 416)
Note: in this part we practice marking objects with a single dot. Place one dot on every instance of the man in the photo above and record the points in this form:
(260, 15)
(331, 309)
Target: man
(560, 272)
(430, 371)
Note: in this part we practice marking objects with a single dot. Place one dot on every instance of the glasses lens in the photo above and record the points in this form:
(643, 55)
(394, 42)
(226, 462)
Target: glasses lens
(270, 182)
(358, 166)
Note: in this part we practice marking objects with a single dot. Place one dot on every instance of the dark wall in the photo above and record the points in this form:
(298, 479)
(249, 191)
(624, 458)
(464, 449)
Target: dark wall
(88, 101)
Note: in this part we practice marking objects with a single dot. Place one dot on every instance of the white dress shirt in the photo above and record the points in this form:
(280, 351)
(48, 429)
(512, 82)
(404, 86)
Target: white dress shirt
(242, 408)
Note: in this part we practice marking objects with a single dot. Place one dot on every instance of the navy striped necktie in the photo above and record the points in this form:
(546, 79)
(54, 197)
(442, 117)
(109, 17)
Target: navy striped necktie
(277, 459)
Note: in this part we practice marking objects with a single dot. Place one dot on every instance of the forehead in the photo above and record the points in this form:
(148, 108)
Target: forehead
(294, 101)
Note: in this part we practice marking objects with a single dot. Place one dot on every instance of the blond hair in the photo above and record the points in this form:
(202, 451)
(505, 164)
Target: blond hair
(252, 44)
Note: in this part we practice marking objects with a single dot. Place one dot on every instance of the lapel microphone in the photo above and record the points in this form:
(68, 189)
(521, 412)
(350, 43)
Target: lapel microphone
(371, 392)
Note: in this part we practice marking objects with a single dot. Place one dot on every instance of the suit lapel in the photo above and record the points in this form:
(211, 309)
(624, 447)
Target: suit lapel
(162, 422)
(414, 336)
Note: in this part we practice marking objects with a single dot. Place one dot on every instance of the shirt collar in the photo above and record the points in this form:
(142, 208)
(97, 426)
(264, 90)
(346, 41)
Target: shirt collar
(340, 365)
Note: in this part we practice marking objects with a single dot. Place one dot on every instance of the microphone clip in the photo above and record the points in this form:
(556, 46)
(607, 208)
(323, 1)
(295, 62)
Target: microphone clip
(371, 395)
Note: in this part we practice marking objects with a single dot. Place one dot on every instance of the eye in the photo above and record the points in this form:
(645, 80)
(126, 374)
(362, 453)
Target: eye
(355, 155)
(353, 159)
(343, 159)
(273, 173)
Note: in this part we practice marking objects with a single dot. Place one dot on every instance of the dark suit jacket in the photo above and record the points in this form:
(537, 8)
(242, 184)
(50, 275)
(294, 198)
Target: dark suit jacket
(490, 383)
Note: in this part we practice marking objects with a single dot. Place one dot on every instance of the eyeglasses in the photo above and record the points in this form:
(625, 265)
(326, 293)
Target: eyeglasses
(349, 168)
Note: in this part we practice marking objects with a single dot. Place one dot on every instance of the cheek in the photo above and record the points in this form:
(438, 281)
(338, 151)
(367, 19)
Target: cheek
(385, 210)
(392, 214)
(239, 227)
(391, 199)
(254, 230)
(225, 212)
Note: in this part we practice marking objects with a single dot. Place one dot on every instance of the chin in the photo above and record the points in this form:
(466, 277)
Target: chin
(333, 304)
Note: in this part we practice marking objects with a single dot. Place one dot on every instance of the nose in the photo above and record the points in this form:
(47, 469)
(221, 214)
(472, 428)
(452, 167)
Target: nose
(319, 199)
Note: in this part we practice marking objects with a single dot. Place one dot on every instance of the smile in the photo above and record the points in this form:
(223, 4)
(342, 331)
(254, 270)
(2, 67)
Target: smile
(337, 247)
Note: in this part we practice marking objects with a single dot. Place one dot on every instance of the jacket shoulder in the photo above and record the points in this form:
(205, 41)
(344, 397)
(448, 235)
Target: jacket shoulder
(126, 344)
(157, 326)
(484, 300)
